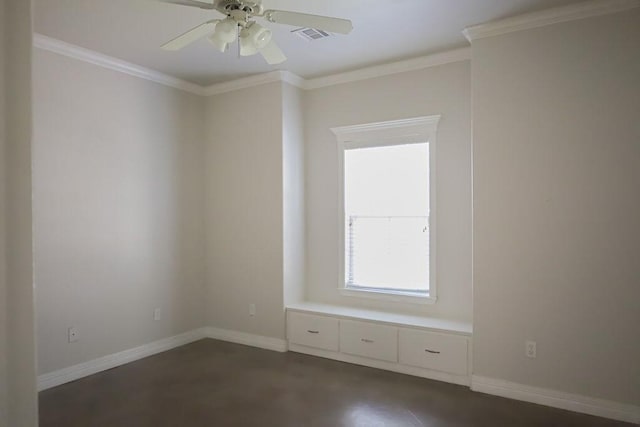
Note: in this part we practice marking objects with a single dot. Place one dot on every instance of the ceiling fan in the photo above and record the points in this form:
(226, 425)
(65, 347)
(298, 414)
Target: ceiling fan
(240, 25)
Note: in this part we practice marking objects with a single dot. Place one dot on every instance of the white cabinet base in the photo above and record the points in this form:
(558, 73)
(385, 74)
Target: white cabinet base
(380, 364)
(414, 346)
(369, 340)
(313, 331)
(428, 350)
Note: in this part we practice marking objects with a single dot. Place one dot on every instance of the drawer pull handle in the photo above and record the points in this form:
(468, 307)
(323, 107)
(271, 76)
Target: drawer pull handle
(313, 332)
(366, 340)
(431, 351)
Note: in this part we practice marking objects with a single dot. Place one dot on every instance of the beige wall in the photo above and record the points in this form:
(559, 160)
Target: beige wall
(118, 210)
(19, 353)
(441, 90)
(556, 206)
(260, 166)
(244, 210)
(293, 194)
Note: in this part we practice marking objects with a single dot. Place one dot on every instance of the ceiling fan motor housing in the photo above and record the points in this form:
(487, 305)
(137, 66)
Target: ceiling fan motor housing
(249, 7)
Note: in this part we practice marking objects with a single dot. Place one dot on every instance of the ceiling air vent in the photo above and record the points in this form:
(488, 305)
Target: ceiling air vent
(310, 34)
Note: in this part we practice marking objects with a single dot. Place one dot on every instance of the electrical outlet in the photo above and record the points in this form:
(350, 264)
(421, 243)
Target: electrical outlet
(530, 349)
(252, 310)
(73, 334)
(156, 314)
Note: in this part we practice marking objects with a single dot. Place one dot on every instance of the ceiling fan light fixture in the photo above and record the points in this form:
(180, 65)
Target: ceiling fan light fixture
(254, 38)
(224, 34)
(246, 47)
(220, 45)
(261, 37)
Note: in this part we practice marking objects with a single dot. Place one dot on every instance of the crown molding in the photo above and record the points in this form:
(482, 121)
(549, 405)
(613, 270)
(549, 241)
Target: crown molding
(546, 17)
(63, 48)
(57, 46)
(456, 55)
(255, 80)
(293, 79)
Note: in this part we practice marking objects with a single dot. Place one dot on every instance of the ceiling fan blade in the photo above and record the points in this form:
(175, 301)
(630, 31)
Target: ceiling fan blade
(272, 54)
(333, 25)
(190, 36)
(193, 3)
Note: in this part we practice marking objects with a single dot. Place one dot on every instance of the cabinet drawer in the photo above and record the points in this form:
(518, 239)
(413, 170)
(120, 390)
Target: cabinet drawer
(369, 340)
(313, 331)
(446, 353)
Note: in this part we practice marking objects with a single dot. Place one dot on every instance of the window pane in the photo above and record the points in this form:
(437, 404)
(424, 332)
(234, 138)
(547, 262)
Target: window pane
(386, 223)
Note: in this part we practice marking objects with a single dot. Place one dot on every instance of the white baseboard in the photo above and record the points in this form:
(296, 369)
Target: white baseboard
(81, 370)
(252, 340)
(541, 396)
(557, 399)
(94, 366)
(380, 364)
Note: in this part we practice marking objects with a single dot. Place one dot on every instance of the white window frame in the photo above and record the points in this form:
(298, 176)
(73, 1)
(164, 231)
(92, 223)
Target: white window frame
(394, 132)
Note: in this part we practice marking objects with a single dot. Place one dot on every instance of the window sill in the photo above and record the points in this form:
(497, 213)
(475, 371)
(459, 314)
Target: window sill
(387, 296)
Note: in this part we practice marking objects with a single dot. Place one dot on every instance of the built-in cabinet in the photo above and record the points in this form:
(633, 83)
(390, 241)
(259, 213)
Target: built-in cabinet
(314, 331)
(369, 340)
(430, 348)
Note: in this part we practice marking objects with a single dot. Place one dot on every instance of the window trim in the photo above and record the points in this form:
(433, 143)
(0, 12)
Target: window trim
(394, 132)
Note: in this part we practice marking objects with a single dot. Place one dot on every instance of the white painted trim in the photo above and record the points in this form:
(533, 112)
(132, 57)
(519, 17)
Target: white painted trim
(442, 58)
(41, 41)
(251, 81)
(293, 79)
(72, 51)
(268, 343)
(456, 55)
(380, 364)
(557, 399)
(546, 17)
(426, 125)
(462, 54)
(81, 370)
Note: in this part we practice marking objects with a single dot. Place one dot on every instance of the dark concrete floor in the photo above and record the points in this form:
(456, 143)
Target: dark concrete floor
(213, 383)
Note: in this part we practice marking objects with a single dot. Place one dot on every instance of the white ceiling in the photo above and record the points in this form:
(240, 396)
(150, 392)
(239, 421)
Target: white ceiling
(384, 31)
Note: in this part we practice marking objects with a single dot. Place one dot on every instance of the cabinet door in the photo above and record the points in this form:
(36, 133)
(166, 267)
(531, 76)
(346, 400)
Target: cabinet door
(313, 331)
(440, 352)
(369, 340)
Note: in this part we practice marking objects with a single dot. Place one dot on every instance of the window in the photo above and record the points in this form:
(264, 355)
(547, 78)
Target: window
(386, 201)
(387, 208)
